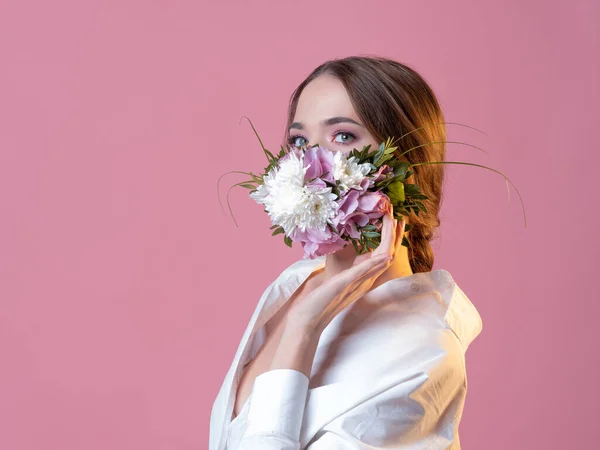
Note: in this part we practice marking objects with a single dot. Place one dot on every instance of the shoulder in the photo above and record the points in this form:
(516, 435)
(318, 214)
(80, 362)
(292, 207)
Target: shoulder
(393, 365)
(417, 323)
(430, 302)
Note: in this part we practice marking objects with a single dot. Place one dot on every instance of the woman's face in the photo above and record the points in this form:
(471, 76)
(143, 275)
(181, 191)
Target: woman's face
(325, 116)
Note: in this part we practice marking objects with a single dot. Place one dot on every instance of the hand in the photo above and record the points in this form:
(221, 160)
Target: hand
(314, 311)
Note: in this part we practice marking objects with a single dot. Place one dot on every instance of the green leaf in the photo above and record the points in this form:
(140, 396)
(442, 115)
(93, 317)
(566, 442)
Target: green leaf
(278, 231)
(395, 191)
(385, 159)
(422, 206)
(287, 240)
(411, 189)
(372, 234)
(269, 155)
(371, 244)
(400, 170)
(418, 196)
(377, 156)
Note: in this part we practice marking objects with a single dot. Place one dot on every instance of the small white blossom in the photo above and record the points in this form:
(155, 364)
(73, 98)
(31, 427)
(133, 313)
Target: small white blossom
(347, 171)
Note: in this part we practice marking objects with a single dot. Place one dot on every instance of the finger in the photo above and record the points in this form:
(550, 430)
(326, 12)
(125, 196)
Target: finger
(384, 235)
(375, 270)
(357, 271)
(393, 237)
(402, 227)
(388, 236)
(370, 275)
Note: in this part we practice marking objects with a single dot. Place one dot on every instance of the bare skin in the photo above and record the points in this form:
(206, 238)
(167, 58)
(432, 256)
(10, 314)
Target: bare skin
(291, 341)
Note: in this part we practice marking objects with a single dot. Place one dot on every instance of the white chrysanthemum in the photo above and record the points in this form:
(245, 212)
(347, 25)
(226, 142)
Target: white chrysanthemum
(347, 171)
(263, 191)
(316, 207)
(292, 169)
(290, 203)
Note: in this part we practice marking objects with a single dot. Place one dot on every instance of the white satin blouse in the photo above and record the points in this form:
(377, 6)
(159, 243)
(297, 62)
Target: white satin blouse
(389, 372)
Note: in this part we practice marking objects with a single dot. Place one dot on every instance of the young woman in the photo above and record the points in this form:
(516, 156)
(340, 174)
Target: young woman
(357, 352)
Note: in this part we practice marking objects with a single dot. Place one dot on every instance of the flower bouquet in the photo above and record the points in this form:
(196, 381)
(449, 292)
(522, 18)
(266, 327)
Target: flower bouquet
(325, 199)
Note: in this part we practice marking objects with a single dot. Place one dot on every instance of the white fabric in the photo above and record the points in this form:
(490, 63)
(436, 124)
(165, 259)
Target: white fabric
(389, 372)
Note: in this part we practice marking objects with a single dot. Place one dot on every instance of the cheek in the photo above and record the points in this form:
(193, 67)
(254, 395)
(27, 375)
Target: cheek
(359, 144)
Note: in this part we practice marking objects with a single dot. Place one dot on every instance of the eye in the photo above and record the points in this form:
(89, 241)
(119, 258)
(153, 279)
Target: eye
(344, 135)
(293, 140)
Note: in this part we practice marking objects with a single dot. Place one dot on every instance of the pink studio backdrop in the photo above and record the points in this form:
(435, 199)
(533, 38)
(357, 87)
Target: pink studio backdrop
(124, 291)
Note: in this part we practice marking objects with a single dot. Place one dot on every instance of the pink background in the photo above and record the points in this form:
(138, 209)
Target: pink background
(118, 314)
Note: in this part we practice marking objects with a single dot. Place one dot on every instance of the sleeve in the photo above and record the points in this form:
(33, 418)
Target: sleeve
(275, 411)
(419, 411)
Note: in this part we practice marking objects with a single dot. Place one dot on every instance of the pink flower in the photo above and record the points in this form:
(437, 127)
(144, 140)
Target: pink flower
(319, 161)
(348, 217)
(382, 173)
(357, 209)
(293, 150)
(374, 204)
(317, 242)
(365, 184)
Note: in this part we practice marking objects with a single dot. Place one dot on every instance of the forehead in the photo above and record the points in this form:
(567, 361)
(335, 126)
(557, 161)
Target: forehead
(322, 98)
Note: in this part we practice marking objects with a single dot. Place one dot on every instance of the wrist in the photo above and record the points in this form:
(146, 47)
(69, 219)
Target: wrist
(296, 349)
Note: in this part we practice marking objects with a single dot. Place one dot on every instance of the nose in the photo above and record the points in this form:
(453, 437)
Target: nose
(321, 142)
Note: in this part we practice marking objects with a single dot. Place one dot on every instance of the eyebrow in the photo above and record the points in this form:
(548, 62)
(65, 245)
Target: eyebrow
(327, 122)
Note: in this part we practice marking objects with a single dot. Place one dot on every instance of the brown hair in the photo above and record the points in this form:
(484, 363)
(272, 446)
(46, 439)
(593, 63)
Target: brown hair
(392, 99)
